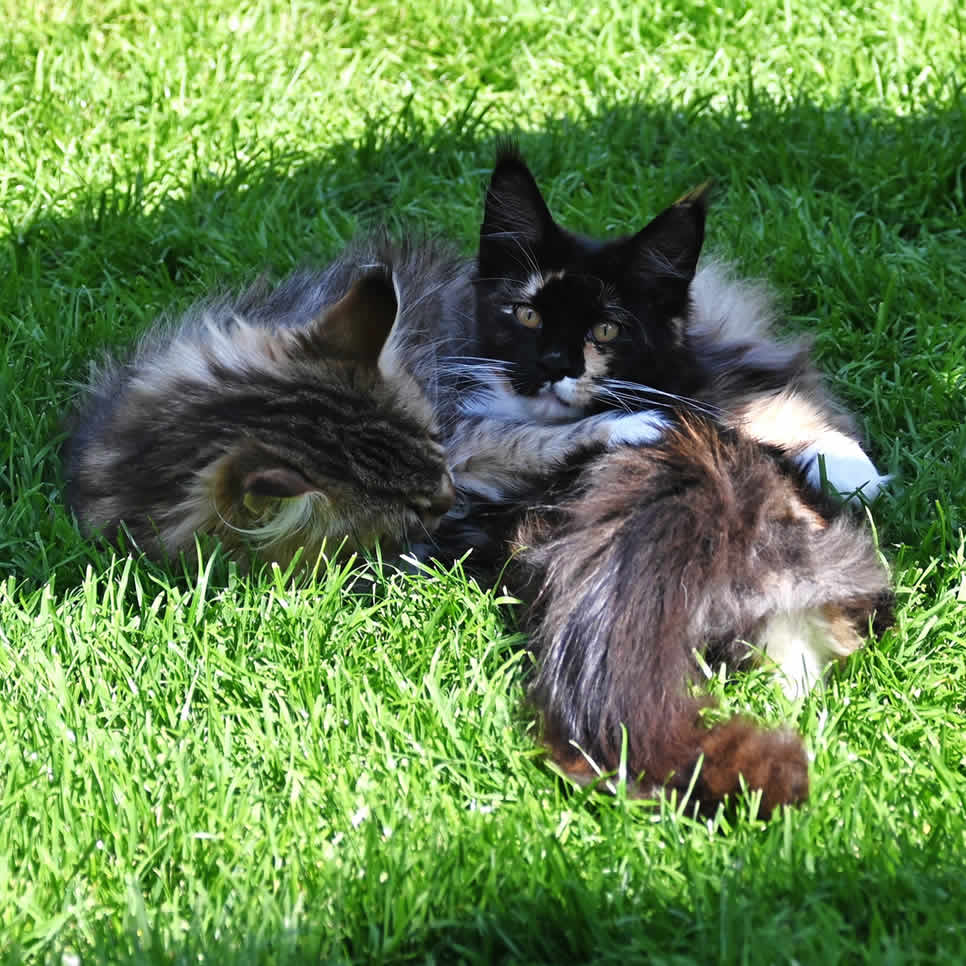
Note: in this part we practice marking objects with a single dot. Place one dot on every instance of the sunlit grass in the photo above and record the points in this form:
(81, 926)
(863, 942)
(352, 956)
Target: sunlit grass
(197, 765)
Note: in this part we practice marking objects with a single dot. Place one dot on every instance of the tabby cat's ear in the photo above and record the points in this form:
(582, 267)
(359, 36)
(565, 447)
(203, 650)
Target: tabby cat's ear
(256, 476)
(515, 215)
(669, 245)
(275, 481)
(261, 487)
(357, 326)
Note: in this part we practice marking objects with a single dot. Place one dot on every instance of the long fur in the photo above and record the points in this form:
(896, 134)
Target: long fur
(688, 334)
(767, 387)
(714, 538)
(698, 544)
(276, 421)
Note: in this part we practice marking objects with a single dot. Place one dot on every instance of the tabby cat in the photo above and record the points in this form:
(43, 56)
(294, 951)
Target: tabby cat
(716, 538)
(270, 427)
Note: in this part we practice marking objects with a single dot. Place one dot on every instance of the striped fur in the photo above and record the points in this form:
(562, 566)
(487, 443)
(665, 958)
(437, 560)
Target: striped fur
(272, 433)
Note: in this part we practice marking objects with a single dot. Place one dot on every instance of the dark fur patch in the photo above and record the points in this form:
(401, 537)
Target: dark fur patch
(650, 555)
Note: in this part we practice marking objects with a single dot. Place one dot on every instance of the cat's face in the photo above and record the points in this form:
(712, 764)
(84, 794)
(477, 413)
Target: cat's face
(565, 313)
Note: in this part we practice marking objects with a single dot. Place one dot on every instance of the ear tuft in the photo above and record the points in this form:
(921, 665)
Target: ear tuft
(670, 244)
(699, 195)
(357, 326)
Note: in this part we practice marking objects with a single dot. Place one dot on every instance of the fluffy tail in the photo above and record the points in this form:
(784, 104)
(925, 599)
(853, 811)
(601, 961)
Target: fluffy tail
(710, 762)
(691, 545)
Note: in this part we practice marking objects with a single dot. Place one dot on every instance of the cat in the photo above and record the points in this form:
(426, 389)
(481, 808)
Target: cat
(274, 428)
(572, 326)
(495, 442)
(703, 543)
(163, 443)
(715, 538)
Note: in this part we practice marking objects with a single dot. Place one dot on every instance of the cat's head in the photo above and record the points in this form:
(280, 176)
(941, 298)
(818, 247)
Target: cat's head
(563, 312)
(326, 440)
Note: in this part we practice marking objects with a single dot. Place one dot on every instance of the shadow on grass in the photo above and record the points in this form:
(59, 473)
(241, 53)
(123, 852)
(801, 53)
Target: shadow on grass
(832, 184)
(894, 905)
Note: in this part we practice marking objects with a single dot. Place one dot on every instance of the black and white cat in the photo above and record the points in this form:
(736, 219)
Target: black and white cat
(570, 326)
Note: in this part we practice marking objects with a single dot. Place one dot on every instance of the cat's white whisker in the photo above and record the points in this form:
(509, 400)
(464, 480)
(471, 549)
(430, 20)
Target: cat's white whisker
(644, 390)
(604, 392)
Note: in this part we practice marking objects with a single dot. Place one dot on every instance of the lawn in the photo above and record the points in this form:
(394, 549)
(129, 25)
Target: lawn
(200, 766)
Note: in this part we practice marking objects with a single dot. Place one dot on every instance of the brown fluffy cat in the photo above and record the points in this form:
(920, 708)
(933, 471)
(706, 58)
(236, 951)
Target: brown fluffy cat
(323, 409)
(704, 543)
(272, 437)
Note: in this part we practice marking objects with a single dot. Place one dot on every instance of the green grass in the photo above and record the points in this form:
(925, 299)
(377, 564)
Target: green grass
(202, 767)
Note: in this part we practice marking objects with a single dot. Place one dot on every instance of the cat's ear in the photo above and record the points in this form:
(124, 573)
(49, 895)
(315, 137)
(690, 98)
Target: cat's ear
(670, 244)
(261, 487)
(515, 216)
(357, 326)
(280, 482)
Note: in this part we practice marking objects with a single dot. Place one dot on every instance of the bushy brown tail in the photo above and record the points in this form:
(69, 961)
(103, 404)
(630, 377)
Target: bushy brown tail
(713, 763)
(691, 545)
(770, 761)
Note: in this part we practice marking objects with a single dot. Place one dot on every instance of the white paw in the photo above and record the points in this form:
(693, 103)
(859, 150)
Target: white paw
(636, 429)
(848, 470)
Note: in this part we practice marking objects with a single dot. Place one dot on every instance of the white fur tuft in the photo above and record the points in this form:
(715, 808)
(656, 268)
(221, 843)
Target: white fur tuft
(728, 308)
(847, 468)
(288, 518)
(637, 429)
(802, 645)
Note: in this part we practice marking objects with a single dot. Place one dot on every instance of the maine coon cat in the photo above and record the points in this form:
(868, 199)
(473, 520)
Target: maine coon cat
(572, 326)
(703, 543)
(712, 539)
(496, 441)
(272, 426)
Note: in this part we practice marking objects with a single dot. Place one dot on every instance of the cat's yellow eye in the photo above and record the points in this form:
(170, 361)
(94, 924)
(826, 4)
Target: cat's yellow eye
(527, 316)
(605, 331)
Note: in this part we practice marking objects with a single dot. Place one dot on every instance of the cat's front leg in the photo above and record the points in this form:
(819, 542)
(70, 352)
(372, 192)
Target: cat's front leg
(495, 459)
(635, 429)
(847, 468)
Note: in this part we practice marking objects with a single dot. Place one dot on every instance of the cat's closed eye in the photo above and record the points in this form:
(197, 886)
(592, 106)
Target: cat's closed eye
(527, 316)
(605, 332)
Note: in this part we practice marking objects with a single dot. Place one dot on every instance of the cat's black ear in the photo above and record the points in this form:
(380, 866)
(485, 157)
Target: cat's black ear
(670, 244)
(357, 326)
(515, 216)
